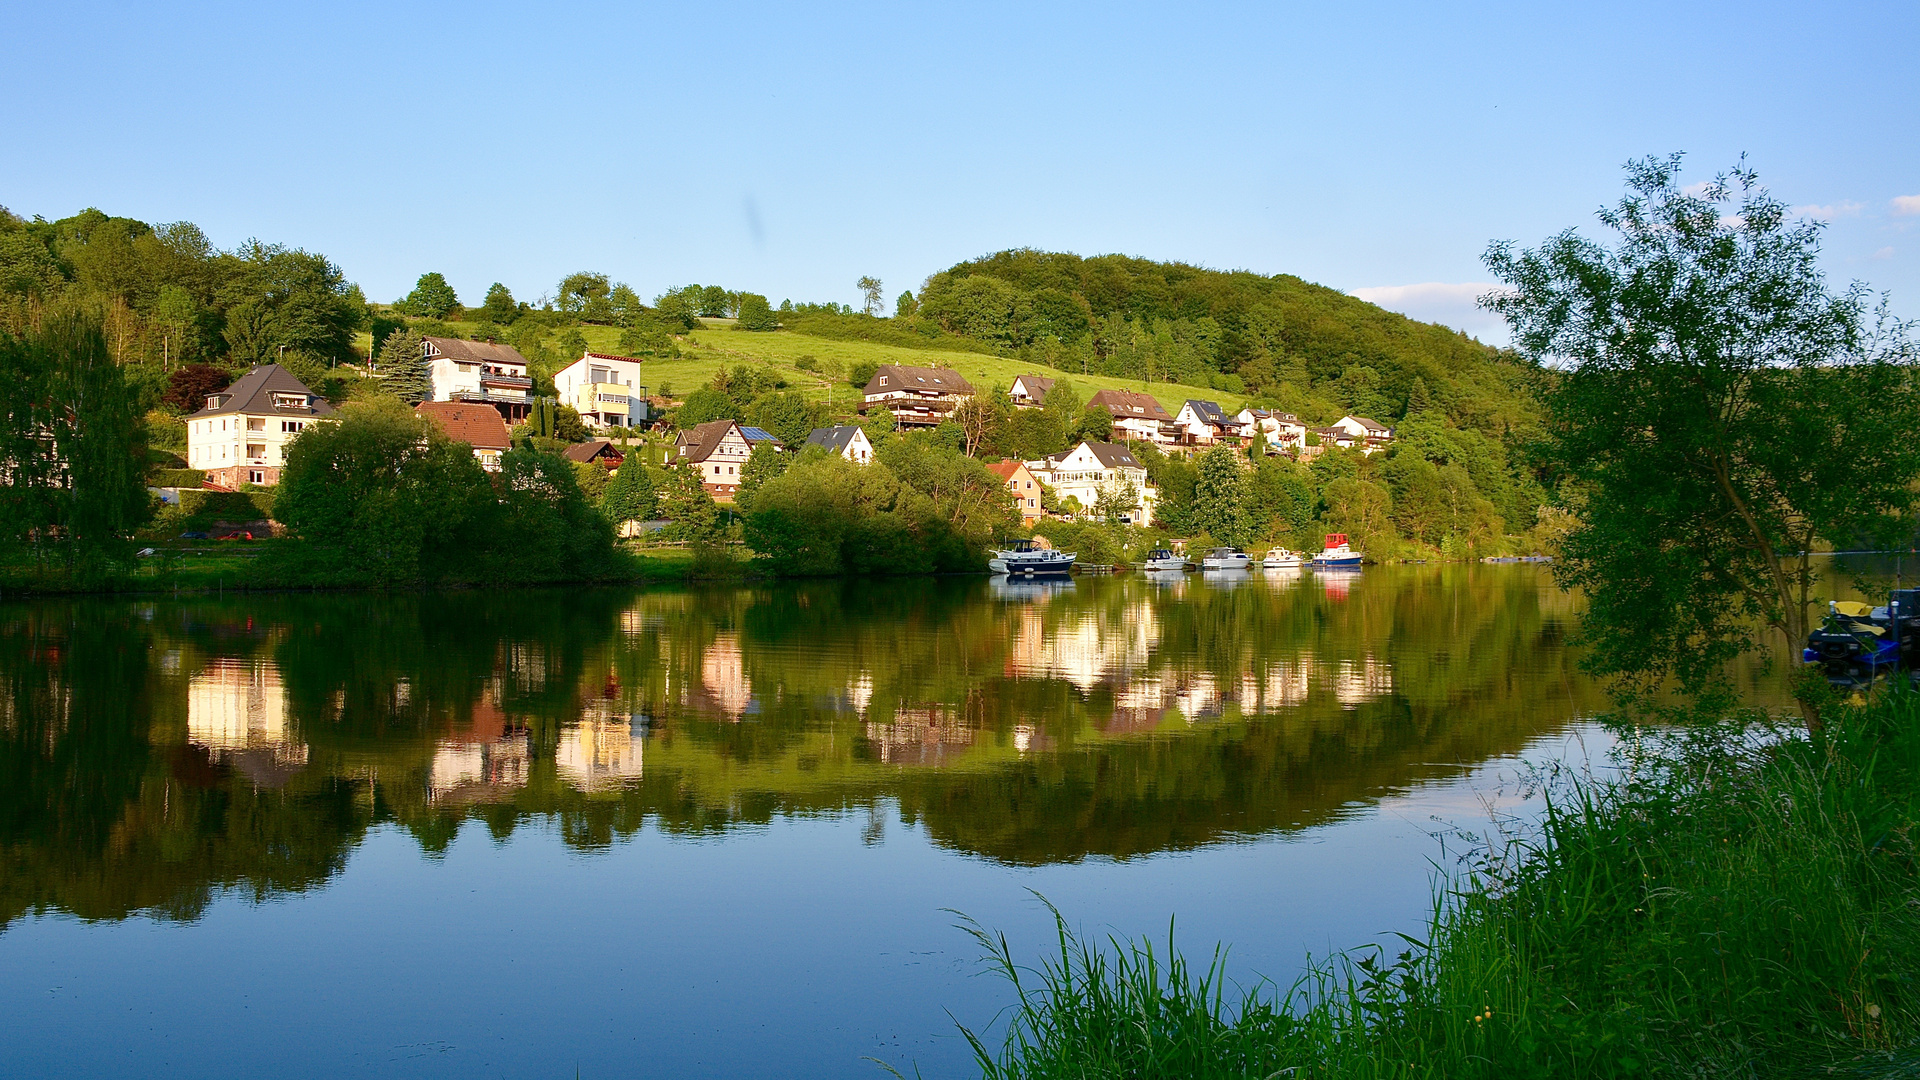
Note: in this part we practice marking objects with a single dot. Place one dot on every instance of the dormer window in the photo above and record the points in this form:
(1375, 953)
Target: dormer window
(289, 401)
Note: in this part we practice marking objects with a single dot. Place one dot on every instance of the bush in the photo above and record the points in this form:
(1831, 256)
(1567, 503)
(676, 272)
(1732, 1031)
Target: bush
(180, 478)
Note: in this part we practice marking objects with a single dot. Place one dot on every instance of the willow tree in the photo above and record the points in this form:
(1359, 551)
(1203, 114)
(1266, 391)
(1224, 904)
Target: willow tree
(1718, 413)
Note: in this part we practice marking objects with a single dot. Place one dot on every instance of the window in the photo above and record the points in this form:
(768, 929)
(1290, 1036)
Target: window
(256, 450)
(292, 425)
(1029, 504)
(256, 476)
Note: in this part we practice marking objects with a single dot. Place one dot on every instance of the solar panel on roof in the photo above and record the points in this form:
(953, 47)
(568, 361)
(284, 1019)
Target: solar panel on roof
(754, 433)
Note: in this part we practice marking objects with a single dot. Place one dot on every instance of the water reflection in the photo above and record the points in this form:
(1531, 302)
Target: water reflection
(152, 754)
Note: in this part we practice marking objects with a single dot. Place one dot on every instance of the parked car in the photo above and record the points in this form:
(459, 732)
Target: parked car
(193, 536)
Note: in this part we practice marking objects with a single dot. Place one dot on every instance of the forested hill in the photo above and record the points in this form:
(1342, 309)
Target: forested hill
(1301, 347)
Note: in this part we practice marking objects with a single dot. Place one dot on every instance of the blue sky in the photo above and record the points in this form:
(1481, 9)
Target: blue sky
(789, 150)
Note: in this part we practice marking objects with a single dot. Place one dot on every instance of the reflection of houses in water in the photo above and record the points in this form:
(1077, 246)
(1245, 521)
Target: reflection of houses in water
(1281, 685)
(860, 693)
(1085, 649)
(600, 753)
(237, 711)
(1354, 684)
(482, 761)
(920, 735)
(723, 677)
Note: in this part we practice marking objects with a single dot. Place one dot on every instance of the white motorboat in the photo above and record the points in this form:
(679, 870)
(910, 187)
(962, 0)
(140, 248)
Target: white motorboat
(1162, 559)
(1281, 559)
(1225, 559)
(1025, 558)
(1337, 555)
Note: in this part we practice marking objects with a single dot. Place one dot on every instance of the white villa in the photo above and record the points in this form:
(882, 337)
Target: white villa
(480, 371)
(1283, 431)
(848, 440)
(918, 397)
(1371, 436)
(605, 390)
(1093, 468)
(1135, 415)
(1203, 423)
(718, 450)
(1029, 391)
(241, 436)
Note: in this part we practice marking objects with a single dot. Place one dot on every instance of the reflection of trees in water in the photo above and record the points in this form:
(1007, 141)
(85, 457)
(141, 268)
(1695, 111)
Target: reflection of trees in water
(154, 754)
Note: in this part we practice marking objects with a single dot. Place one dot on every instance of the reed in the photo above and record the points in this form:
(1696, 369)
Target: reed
(1741, 902)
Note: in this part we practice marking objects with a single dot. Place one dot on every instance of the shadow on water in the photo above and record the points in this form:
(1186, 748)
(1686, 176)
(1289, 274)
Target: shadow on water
(155, 754)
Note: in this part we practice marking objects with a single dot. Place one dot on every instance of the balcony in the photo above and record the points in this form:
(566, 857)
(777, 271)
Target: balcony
(506, 382)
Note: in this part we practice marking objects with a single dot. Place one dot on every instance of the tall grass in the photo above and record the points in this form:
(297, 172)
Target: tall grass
(1734, 905)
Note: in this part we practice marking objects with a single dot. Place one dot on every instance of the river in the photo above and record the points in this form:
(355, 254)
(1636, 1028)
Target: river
(722, 832)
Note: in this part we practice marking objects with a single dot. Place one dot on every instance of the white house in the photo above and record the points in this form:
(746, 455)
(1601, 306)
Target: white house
(917, 396)
(1029, 391)
(1203, 423)
(1091, 469)
(605, 390)
(1370, 435)
(847, 440)
(241, 436)
(480, 371)
(718, 450)
(1283, 431)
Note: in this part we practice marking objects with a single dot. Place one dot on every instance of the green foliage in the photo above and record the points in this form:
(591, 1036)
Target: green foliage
(788, 416)
(684, 501)
(1217, 501)
(385, 497)
(765, 463)
(499, 306)
(432, 297)
(404, 369)
(756, 313)
(186, 478)
(904, 306)
(630, 495)
(72, 442)
(703, 406)
(593, 480)
(860, 373)
(587, 296)
(191, 384)
(1721, 415)
(1095, 424)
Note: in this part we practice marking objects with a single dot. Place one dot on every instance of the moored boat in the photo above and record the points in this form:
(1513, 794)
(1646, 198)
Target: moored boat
(1162, 559)
(1281, 559)
(1025, 557)
(1225, 558)
(1337, 555)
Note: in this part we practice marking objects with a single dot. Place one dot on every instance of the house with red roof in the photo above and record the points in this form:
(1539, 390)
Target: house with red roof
(1022, 485)
(477, 424)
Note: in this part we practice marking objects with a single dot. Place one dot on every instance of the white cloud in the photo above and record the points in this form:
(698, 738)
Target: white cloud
(1883, 253)
(1906, 204)
(1843, 208)
(1697, 188)
(1447, 303)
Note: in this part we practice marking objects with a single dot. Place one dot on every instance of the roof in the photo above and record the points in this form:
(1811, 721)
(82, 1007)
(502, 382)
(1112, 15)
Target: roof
(1005, 469)
(1114, 455)
(590, 450)
(591, 355)
(1127, 403)
(1208, 411)
(697, 443)
(836, 438)
(906, 377)
(1037, 386)
(478, 352)
(476, 425)
(252, 393)
(754, 434)
(1370, 425)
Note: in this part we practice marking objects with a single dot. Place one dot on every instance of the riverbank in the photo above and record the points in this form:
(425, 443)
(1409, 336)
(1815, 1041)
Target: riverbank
(277, 566)
(1729, 907)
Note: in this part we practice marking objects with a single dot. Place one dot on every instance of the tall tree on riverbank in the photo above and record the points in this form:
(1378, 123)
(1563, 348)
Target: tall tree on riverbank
(1719, 413)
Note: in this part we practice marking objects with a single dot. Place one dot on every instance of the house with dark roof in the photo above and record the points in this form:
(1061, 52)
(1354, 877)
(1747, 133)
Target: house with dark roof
(1093, 469)
(1029, 391)
(718, 450)
(241, 436)
(595, 452)
(847, 440)
(1371, 436)
(1282, 431)
(918, 397)
(480, 372)
(1022, 487)
(1204, 423)
(477, 425)
(1136, 415)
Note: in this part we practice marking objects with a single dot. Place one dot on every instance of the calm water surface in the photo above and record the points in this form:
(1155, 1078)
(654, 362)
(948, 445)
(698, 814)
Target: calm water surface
(715, 832)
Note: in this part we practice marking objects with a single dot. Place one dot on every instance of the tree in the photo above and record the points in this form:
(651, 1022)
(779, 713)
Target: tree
(765, 463)
(586, 295)
(703, 406)
(756, 313)
(431, 297)
(190, 385)
(404, 369)
(1116, 500)
(715, 302)
(870, 291)
(1216, 496)
(905, 305)
(787, 415)
(981, 417)
(1720, 413)
(630, 495)
(1095, 424)
(685, 502)
(860, 373)
(499, 306)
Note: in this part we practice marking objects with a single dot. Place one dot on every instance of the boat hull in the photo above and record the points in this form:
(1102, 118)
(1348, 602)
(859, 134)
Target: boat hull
(1014, 566)
(1164, 564)
(1344, 562)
